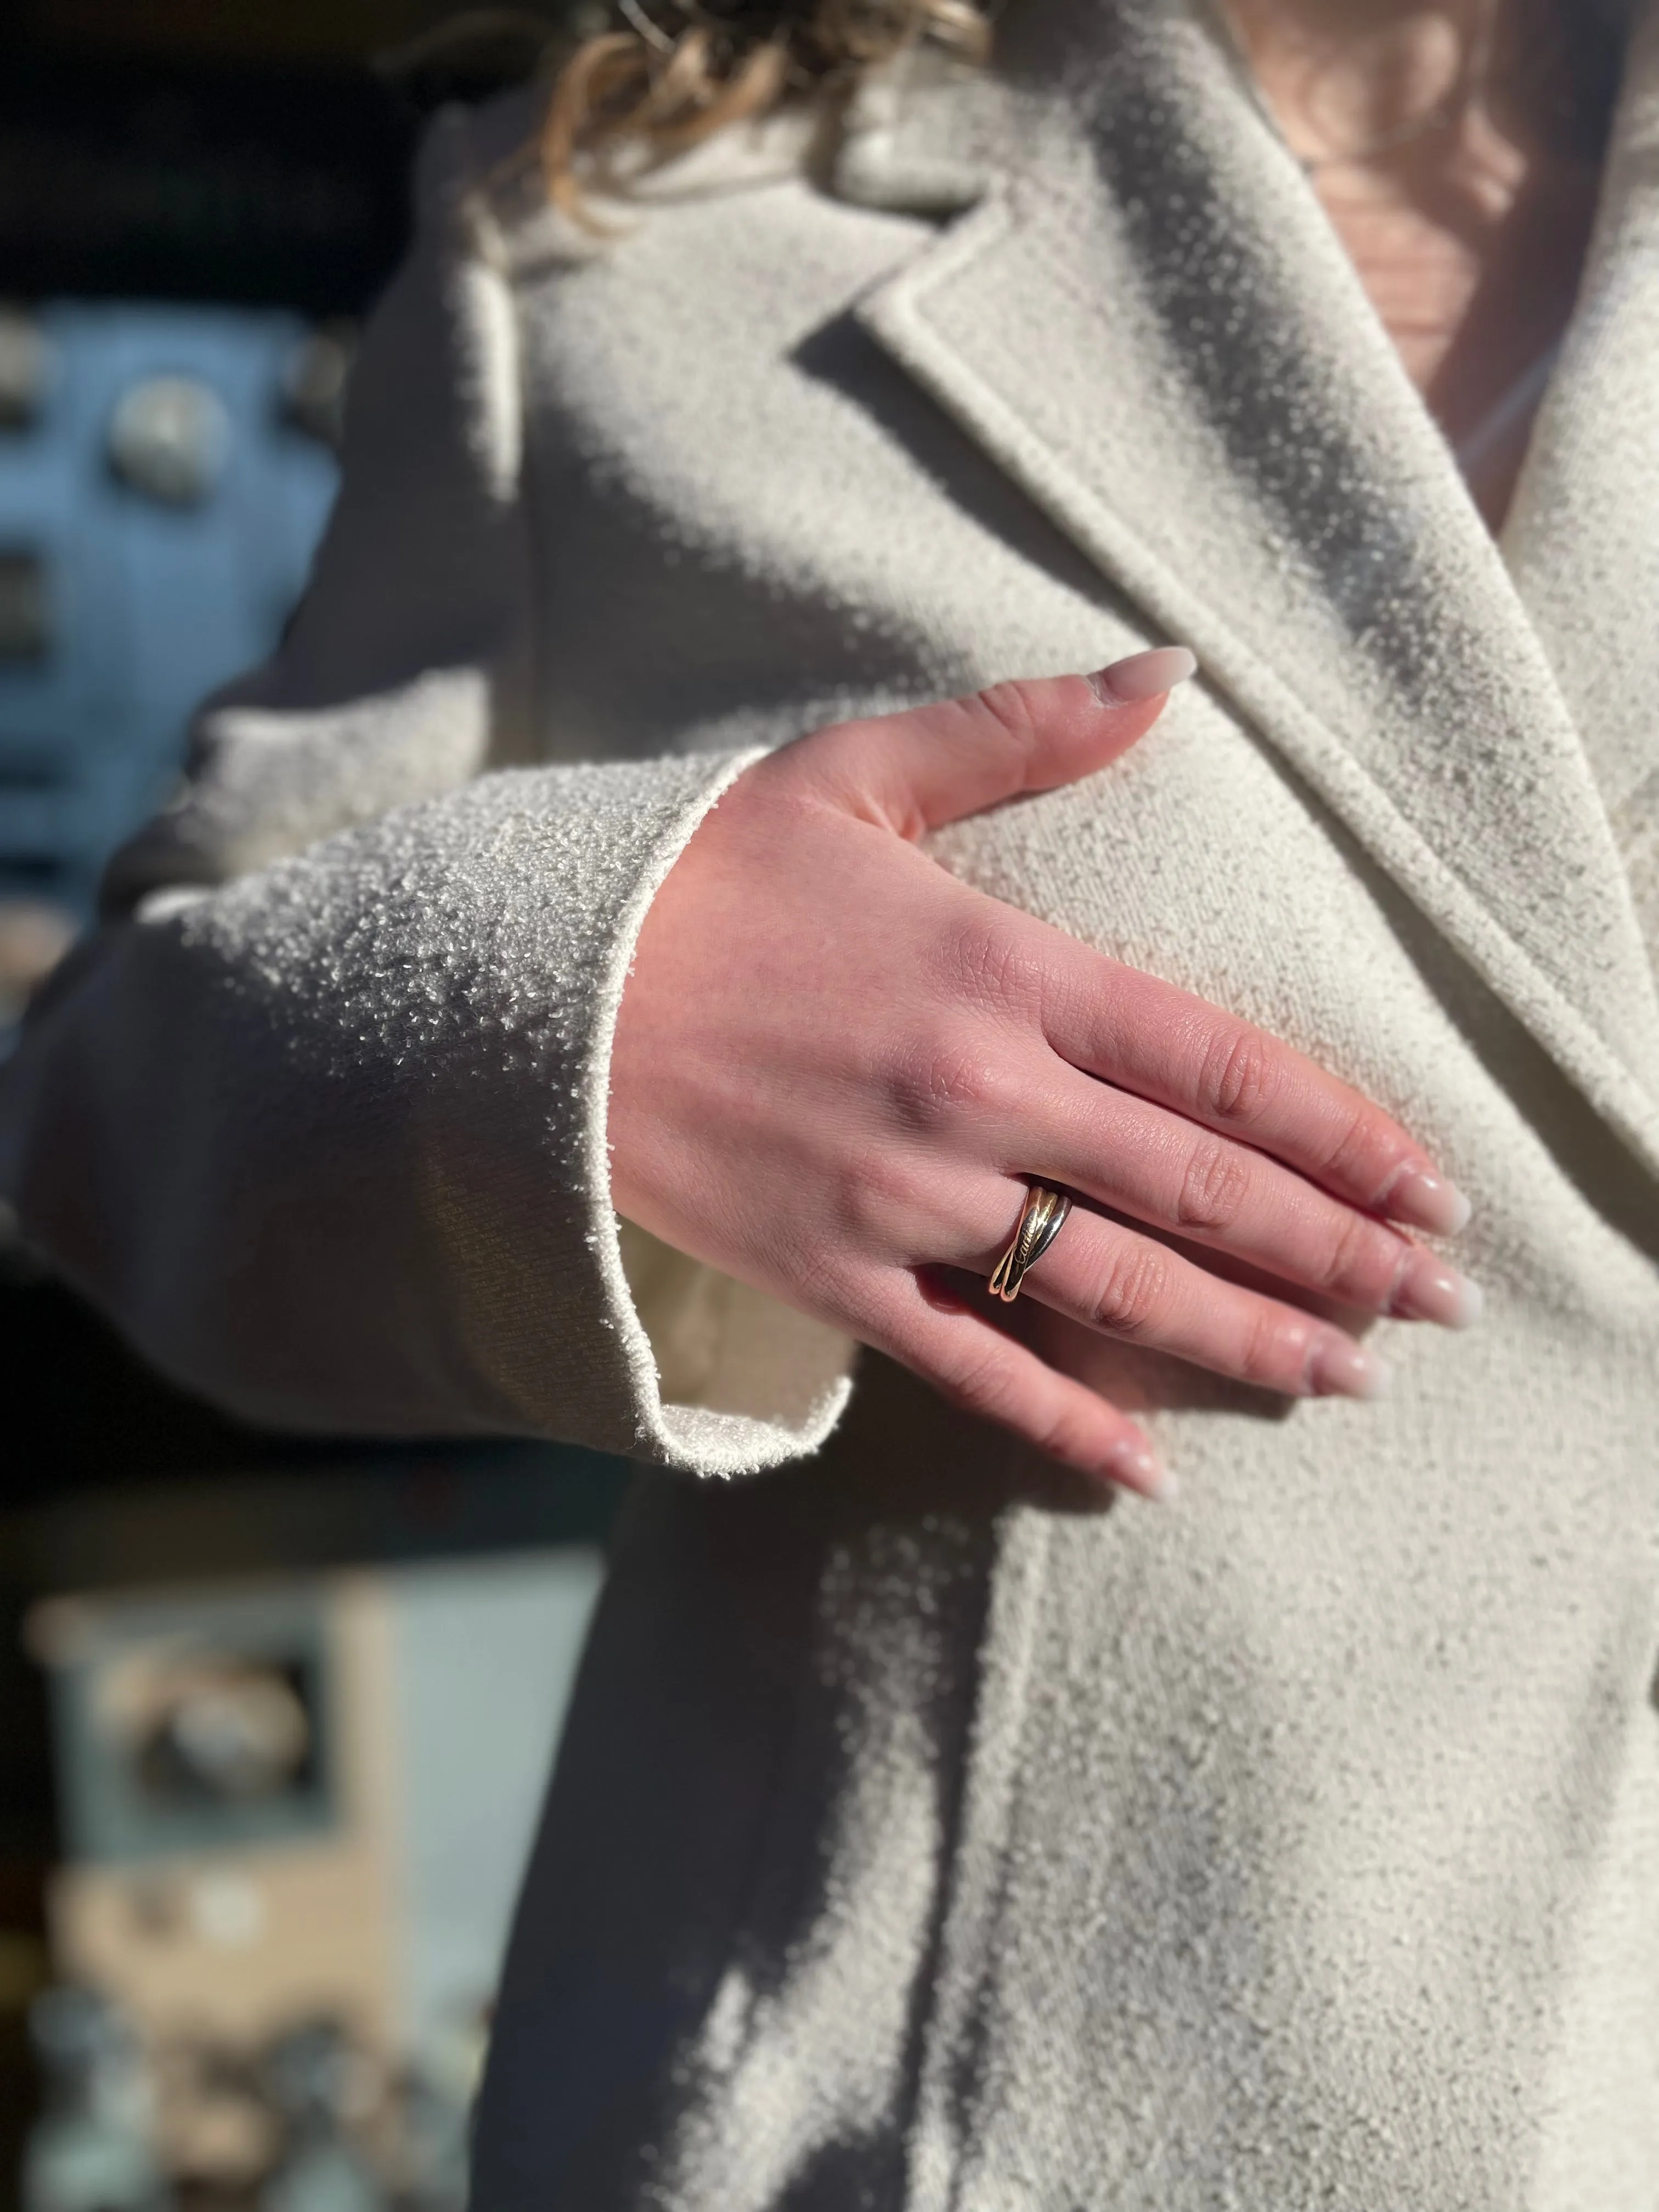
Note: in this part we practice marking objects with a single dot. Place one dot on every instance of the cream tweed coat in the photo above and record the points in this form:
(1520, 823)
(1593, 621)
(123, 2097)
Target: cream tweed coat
(922, 1838)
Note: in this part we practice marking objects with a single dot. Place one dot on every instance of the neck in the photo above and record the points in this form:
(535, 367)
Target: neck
(1434, 133)
(1362, 80)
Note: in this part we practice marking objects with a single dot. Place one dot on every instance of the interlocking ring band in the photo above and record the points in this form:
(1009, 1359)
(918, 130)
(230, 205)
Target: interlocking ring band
(1041, 1220)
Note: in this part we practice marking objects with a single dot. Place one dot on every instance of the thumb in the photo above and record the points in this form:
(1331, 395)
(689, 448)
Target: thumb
(914, 771)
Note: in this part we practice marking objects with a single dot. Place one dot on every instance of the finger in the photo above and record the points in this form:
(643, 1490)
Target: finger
(974, 1366)
(1129, 1286)
(913, 771)
(1169, 1046)
(1142, 1160)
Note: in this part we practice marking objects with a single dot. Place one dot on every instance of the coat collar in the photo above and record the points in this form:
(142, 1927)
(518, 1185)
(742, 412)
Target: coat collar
(1583, 537)
(1146, 317)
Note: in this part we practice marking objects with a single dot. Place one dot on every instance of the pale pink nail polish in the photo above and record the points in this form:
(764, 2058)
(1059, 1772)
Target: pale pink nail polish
(1423, 1200)
(1428, 1290)
(1140, 1468)
(1341, 1368)
(1142, 675)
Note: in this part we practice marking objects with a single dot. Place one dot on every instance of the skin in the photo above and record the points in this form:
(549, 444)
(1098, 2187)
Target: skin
(836, 1066)
(1469, 236)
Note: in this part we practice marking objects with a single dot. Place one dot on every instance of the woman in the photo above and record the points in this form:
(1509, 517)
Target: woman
(924, 1833)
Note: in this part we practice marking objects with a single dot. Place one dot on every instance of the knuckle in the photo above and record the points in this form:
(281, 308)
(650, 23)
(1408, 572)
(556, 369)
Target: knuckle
(1351, 1158)
(990, 962)
(1134, 1290)
(1275, 1349)
(1362, 1261)
(940, 1082)
(1013, 706)
(1214, 1187)
(1240, 1075)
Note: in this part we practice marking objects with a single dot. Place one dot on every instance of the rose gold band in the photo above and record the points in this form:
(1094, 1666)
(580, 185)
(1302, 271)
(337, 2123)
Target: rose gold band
(1041, 1220)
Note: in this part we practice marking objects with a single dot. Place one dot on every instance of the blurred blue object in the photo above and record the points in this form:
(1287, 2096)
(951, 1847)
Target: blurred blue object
(165, 473)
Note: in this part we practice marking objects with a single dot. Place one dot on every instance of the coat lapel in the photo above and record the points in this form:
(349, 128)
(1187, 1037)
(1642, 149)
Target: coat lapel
(1583, 538)
(1146, 319)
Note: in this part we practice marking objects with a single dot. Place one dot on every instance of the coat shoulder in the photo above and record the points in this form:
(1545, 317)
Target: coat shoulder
(479, 171)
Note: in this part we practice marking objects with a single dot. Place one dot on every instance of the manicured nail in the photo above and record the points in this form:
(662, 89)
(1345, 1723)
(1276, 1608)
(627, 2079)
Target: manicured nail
(1139, 1467)
(1428, 1290)
(1142, 676)
(1423, 1200)
(1342, 1369)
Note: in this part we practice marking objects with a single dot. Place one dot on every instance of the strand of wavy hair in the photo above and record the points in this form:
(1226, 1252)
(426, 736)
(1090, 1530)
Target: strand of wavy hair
(632, 97)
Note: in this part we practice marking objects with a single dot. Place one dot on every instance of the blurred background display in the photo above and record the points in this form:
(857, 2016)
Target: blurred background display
(275, 1714)
(165, 474)
(295, 1816)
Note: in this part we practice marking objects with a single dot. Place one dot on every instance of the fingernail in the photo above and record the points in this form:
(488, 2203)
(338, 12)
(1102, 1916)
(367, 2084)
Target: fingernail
(1142, 675)
(1428, 1290)
(1139, 1467)
(1341, 1369)
(1423, 1200)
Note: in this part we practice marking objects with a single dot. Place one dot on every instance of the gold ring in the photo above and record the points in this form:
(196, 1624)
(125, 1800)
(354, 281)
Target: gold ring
(1041, 1220)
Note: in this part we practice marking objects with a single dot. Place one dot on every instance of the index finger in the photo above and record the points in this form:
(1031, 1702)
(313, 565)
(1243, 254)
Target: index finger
(1181, 1052)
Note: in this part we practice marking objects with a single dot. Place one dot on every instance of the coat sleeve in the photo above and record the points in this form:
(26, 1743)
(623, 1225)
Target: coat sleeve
(319, 1115)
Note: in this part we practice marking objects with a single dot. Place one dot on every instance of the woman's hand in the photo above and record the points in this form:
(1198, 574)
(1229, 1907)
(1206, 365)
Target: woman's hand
(836, 1066)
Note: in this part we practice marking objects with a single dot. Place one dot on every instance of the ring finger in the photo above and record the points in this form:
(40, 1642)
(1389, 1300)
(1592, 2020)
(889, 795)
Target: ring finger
(1130, 1286)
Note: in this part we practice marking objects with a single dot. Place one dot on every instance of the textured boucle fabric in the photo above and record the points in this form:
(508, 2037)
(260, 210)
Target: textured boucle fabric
(929, 1837)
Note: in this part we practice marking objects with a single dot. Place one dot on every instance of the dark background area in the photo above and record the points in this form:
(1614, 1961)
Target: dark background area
(236, 152)
(253, 152)
(248, 151)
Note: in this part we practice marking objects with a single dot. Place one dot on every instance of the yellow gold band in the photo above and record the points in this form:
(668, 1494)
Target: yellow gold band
(1041, 1220)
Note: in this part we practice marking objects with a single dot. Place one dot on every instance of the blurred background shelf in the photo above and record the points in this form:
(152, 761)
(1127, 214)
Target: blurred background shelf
(199, 201)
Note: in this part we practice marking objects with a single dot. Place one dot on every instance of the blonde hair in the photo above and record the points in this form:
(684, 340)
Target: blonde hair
(650, 88)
